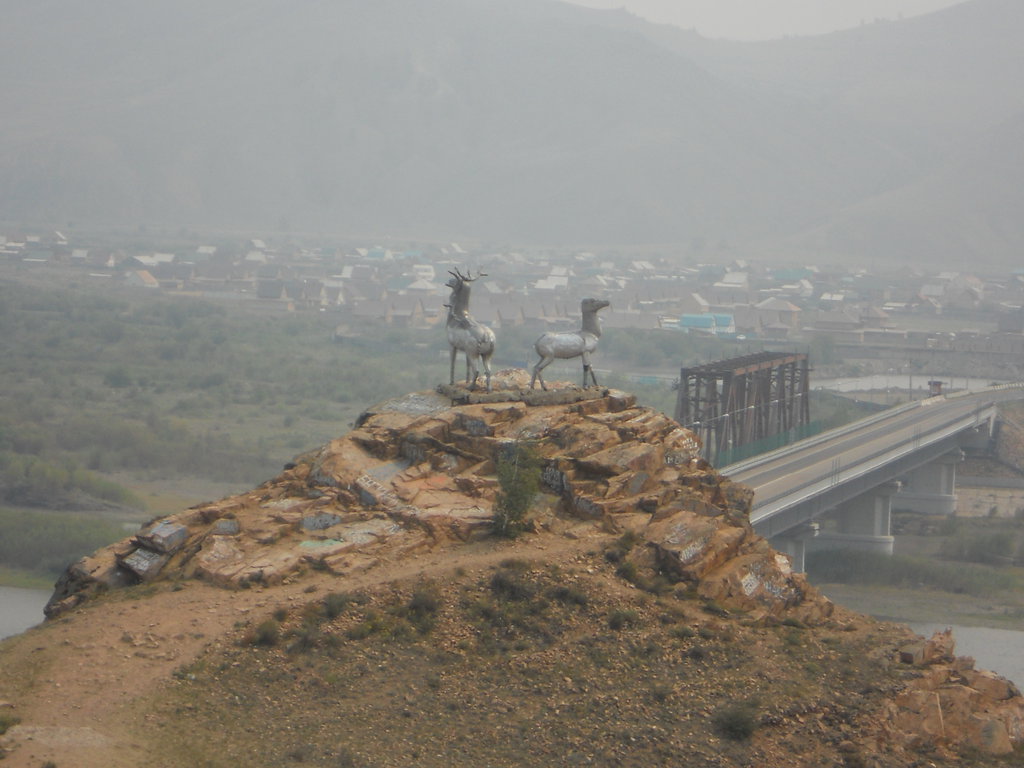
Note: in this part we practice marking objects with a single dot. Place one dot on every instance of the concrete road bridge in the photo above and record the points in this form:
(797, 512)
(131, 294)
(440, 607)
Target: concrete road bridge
(838, 489)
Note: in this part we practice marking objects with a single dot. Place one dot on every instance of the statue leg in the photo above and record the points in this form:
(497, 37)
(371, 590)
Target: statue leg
(587, 370)
(451, 379)
(540, 366)
(487, 370)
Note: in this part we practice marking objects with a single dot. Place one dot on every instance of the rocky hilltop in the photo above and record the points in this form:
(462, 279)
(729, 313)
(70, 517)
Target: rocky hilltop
(360, 608)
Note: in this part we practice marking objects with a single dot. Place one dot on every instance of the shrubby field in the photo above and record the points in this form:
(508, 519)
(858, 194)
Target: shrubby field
(109, 391)
(102, 384)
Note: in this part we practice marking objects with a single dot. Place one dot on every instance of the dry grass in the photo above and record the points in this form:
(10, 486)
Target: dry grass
(521, 664)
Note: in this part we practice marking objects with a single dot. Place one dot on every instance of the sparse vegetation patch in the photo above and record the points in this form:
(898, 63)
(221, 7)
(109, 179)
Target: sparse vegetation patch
(522, 665)
(851, 566)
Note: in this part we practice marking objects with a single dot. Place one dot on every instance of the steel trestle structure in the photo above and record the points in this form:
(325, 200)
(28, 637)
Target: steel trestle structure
(735, 402)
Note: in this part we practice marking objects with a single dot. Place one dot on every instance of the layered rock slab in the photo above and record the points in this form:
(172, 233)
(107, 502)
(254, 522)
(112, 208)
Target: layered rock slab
(419, 472)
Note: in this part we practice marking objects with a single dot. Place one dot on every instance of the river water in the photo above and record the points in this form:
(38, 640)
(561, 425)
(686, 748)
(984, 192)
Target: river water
(21, 609)
(998, 650)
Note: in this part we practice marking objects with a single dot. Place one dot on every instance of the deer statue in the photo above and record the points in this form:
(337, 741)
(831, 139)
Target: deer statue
(564, 346)
(464, 333)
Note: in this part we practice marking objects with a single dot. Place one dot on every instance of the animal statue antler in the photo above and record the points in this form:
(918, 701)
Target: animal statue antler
(461, 278)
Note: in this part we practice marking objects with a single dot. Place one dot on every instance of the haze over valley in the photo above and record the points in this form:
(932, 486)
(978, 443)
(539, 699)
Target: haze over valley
(533, 122)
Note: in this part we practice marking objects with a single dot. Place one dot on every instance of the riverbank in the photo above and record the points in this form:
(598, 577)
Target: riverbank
(990, 632)
(14, 577)
(926, 606)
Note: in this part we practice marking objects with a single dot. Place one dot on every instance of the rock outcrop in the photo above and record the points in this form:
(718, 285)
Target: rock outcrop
(418, 472)
(952, 705)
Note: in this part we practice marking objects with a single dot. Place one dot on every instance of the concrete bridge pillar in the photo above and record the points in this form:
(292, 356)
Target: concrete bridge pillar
(794, 543)
(931, 489)
(863, 522)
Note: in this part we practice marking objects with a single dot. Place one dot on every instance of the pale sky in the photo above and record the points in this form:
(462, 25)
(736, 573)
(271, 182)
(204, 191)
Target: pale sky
(766, 19)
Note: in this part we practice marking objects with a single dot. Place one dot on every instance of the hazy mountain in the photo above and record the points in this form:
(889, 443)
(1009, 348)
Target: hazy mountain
(928, 83)
(532, 121)
(967, 213)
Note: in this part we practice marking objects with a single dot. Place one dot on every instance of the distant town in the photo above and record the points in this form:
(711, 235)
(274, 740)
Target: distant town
(903, 319)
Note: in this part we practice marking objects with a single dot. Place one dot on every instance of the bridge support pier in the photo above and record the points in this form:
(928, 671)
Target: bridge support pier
(794, 543)
(863, 522)
(931, 489)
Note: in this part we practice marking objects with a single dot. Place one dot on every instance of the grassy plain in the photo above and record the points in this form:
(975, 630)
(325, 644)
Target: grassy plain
(121, 405)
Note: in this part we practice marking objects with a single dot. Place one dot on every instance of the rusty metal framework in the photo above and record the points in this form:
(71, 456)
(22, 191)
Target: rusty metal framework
(736, 402)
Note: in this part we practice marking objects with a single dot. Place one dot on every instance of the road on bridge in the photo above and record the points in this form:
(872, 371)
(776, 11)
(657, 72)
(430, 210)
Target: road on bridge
(820, 460)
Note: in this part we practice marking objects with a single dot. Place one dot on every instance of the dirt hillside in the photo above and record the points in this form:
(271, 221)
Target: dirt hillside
(358, 610)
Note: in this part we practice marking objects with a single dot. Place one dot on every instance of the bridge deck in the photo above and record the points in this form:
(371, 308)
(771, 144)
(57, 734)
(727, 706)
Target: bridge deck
(796, 483)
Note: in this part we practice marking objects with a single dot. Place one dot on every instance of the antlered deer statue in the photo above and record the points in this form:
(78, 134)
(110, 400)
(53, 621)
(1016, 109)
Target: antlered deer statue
(465, 334)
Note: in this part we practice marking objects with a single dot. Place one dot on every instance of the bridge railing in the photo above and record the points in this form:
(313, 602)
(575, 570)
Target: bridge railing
(821, 437)
(838, 474)
(772, 443)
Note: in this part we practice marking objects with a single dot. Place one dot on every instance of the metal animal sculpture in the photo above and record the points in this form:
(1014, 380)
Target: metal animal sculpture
(564, 346)
(465, 334)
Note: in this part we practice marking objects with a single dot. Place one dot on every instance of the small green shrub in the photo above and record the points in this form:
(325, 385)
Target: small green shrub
(628, 571)
(519, 478)
(569, 595)
(736, 721)
(661, 692)
(621, 618)
(335, 604)
(510, 586)
(682, 632)
(623, 546)
(697, 653)
(421, 609)
(267, 633)
(376, 623)
(715, 608)
(516, 564)
(793, 639)
(305, 637)
(8, 721)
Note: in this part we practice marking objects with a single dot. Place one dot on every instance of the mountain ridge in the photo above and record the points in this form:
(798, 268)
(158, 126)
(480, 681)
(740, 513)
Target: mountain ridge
(535, 123)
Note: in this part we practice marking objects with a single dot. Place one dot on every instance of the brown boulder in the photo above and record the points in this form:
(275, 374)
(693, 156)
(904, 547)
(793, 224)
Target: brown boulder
(752, 579)
(624, 457)
(991, 685)
(988, 734)
(691, 545)
(954, 705)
